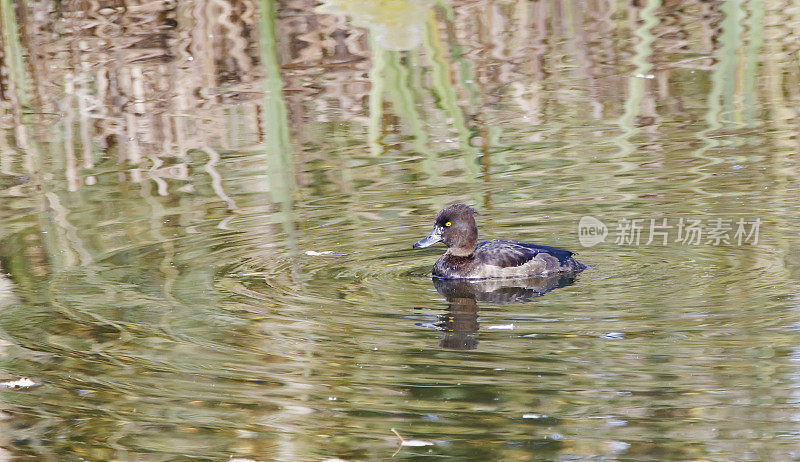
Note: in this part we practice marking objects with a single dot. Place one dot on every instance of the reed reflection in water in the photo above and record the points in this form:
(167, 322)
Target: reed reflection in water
(150, 150)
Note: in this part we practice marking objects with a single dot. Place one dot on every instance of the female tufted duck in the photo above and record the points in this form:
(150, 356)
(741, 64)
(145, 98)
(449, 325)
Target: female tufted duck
(466, 259)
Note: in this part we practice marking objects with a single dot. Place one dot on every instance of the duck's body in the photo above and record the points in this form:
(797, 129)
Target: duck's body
(466, 259)
(507, 259)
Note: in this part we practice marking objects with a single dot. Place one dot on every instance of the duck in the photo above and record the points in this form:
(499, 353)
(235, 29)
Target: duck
(465, 258)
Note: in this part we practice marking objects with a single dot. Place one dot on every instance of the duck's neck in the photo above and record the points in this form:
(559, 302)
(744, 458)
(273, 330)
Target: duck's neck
(464, 251)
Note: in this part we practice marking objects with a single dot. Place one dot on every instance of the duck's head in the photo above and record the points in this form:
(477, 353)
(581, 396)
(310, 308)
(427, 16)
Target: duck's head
(455, 227)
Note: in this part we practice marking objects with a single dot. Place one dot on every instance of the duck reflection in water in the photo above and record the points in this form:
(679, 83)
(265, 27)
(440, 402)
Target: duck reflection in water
(460, 323)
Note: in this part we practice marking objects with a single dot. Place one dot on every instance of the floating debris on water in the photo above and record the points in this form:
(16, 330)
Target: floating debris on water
(254, 273)
(413, 443)
(502, 326)
(326, 253)
(23, 382)
(314, 253)
(613, 336)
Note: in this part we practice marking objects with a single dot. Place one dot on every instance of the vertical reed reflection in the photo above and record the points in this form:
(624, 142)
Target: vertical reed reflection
(13, 63)
(152, 91)
(275, 124)
(150, 83)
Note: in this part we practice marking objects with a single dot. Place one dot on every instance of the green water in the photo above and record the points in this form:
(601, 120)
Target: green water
(246, 287)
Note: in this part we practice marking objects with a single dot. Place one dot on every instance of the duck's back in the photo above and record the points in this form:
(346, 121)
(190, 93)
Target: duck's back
(505, 259)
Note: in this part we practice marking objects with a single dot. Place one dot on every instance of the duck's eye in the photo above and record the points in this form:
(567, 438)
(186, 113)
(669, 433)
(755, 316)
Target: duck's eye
(448, 224)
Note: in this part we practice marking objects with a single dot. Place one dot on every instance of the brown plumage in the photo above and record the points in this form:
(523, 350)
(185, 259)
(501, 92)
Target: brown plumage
(466, 259)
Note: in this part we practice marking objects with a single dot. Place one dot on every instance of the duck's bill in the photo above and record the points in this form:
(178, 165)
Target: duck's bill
(432, 238)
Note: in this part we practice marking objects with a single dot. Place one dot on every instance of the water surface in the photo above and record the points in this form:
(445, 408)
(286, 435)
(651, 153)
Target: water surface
(207, 211)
